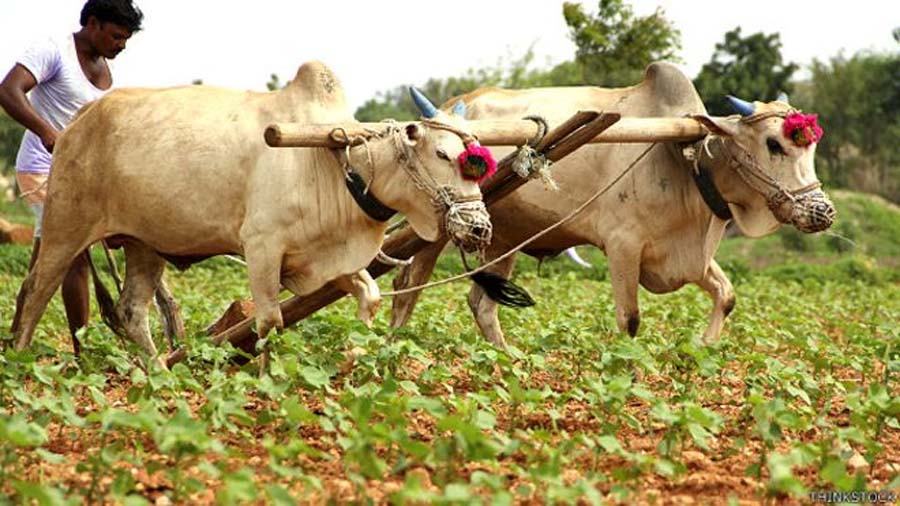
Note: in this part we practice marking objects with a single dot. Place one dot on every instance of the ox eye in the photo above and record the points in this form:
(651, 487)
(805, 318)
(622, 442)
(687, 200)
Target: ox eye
(443, 155)
(774, 147)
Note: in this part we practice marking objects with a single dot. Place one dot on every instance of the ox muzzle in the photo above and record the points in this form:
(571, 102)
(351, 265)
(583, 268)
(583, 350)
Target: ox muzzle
(809, 212)
(465, 220)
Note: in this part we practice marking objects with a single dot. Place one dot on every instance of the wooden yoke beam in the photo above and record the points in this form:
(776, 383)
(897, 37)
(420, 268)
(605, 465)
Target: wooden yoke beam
(493, 132)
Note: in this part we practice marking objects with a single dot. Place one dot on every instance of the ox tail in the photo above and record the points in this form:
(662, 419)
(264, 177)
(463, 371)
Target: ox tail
(105, 301)
(502, 291)
(499, 289)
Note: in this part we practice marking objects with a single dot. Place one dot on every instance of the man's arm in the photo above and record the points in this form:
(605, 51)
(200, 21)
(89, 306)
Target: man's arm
(15, 85)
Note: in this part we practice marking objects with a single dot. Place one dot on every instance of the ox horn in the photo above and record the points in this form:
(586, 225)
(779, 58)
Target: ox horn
(742, 107)
(782, 97)
(425, 106)
(460, 109)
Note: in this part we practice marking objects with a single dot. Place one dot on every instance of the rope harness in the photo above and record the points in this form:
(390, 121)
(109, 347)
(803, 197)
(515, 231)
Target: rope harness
(810, 209)
(465, 219)
(528, 163)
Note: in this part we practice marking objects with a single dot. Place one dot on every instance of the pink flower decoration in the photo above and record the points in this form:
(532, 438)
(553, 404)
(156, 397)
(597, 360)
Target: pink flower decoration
(803, 129)
(476, 163)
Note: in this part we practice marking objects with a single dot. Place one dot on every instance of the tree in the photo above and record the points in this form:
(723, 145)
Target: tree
(396, 103)
(749, 67)
(274, 83)
(614, 45)
(858, 102)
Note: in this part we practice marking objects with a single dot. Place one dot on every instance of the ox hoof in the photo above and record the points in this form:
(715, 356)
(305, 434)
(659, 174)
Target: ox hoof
(634, 321)
(367, 312)
(729, 306)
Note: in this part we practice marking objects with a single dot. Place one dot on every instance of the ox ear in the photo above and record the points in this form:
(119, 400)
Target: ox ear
(413, 132)
(723, 127)
(459, 109)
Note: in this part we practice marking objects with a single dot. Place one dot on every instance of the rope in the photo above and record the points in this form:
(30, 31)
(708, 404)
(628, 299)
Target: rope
(389, 260)
(36, 190)
(528, 241)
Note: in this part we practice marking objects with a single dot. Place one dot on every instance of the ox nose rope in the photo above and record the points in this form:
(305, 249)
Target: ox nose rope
(531, 239)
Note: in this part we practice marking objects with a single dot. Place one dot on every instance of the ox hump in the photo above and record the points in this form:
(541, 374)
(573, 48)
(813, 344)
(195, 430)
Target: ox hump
(671, 87)
(315, 80)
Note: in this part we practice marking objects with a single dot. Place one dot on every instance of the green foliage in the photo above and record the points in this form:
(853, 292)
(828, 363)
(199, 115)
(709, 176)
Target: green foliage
(509, 73)
(748, 67)
(866, 233)
(615, 45)
(10, 138)
(274, 83)
(858, 102)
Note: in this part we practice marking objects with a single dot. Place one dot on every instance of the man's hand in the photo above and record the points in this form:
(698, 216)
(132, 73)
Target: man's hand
(48, 139)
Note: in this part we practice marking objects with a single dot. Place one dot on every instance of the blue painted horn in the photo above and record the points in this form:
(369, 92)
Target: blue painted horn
(425, 106)
(782, 97)
(459, 109)
(741, 107)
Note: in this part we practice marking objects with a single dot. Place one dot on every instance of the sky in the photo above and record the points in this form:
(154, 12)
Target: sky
(377, 45)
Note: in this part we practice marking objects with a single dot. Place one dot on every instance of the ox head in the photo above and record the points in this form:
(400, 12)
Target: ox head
(438, 188)
(770, 149)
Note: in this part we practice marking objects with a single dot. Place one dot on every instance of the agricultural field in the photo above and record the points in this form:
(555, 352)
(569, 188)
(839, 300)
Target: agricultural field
(800, 395)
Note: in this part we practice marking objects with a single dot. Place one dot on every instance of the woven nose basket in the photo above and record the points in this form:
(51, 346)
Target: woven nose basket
(469, 225)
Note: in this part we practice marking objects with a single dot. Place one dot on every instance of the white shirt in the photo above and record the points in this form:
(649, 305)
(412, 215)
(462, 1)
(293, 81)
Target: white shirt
(61, 91)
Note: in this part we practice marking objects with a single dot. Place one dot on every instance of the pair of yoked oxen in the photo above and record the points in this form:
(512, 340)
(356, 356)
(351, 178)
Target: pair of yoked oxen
(183, 174)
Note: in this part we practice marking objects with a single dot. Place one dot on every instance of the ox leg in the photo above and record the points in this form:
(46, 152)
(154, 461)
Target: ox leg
(413, 274)
(485, 309)
(76, 297)
(368, 296)
(170, 313)
(264, 271)
(143, 270)
(47, 274)
(624, 274)
(718, 286)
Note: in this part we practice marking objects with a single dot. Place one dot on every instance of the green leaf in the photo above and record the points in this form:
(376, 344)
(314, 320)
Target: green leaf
(315, 377)
(610, 444)
(45, 495)
(279, 496)
(457, 492)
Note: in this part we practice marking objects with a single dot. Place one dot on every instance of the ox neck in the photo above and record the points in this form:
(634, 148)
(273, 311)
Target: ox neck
(360, 184)
(716, 179)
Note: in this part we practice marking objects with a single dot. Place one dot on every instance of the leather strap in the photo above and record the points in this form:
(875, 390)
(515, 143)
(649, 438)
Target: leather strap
(711, 195)
(371, 205)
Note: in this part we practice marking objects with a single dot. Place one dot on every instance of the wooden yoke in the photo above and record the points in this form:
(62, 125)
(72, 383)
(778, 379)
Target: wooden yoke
(492, 132)
(404, 243)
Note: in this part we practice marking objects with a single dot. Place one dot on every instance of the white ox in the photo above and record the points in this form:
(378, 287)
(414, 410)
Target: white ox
(184, 173)
(653, 225)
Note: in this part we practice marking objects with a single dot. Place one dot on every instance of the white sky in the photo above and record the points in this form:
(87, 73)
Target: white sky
(378, 44)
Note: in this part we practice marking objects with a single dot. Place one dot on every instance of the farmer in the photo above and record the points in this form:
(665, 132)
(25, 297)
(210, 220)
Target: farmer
(62, 74)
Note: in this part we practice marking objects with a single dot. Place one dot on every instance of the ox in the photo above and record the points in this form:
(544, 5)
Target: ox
(184, 173)
(655, 225)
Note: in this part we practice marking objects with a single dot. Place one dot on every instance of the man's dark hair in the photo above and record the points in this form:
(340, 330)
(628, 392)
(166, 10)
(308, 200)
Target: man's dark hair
(121, 12)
